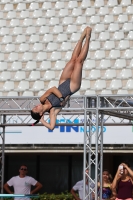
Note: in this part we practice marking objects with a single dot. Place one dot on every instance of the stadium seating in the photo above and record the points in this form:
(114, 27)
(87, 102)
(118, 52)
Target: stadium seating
(122, 92)
(37, 39)
(109, 74)
(22, 86)
(8, 85)
(3, 66)
(12, 93)
(104, 64)
(99, 85)
(120, 63)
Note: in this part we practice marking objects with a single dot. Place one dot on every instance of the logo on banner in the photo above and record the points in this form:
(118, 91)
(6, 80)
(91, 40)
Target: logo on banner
(74, 127)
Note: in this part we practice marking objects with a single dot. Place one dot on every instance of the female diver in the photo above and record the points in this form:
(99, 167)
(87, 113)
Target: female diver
(54, 98)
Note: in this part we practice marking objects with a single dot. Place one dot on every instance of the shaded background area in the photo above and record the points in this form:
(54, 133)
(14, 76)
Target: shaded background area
(58, 172)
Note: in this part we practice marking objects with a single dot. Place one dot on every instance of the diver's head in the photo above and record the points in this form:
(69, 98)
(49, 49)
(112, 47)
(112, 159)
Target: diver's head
(37, 113)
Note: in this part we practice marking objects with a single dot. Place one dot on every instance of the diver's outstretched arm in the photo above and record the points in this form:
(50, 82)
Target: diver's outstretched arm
(52, 122)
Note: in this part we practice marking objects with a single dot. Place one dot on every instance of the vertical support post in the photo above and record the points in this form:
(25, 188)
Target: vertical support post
(90, 146)
(3, 153)
(84, 158)
(96, 150)
(101, 157)
(101, 147)
(89, 149)
(89, 153)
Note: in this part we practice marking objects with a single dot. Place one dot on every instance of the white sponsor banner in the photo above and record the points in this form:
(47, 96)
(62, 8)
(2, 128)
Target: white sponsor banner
(68, 134)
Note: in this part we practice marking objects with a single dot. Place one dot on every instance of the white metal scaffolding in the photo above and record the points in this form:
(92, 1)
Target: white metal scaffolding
(94, 108)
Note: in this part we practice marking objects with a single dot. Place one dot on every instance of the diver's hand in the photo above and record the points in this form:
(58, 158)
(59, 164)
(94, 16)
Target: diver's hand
(63, 103)
(42, 119)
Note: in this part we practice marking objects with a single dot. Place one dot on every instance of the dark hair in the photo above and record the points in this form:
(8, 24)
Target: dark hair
(35, 116)
(105, 170)
(23, 165)
(127, 163)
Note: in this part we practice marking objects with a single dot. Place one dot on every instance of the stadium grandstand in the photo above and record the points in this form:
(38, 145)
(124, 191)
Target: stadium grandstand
(38, 37)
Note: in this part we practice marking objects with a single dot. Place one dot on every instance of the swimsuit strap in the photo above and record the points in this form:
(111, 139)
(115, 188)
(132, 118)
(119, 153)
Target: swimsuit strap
(50, 108)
